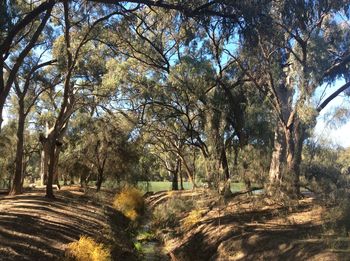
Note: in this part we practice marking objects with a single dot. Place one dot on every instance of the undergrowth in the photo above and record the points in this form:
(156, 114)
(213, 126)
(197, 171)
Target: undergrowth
(86, 249)
(130, 202)
(167, 215)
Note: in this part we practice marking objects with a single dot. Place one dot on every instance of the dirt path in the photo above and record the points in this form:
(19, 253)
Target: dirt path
(35, 228)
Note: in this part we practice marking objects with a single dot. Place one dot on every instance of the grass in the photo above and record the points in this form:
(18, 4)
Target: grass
(86, 249)
(156, 186)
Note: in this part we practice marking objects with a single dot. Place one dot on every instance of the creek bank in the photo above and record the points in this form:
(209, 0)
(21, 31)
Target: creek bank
(202, 226)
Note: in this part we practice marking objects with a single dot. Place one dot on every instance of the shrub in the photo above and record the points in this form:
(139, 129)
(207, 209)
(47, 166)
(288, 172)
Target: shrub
(86, 249)
(168, 214)
(193, 218)
(130, 202)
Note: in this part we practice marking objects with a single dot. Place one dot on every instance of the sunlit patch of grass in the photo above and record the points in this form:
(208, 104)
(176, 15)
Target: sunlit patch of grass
(86, 249)
(130, 202)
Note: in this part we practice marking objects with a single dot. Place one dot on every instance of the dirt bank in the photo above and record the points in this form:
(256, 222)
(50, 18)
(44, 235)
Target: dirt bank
(33, 227)
(250, 228)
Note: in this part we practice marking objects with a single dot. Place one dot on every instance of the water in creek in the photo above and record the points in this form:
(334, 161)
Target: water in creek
(150, 248)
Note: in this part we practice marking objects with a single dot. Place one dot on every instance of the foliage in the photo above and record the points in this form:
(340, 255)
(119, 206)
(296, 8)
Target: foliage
(87, 249)
(192, 218)
(324, 170)
(130, 202)
(168, 214)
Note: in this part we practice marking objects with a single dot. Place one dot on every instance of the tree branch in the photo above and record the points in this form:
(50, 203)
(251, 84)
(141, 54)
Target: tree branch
(332, 96)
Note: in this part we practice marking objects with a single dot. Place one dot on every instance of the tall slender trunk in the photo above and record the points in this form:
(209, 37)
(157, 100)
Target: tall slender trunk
(224, 164)
(181, 180)
(17, 181)
(49, 189)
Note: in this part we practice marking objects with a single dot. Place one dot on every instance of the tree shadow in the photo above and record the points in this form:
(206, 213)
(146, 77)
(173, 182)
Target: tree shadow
(36, 228)
(251, 235)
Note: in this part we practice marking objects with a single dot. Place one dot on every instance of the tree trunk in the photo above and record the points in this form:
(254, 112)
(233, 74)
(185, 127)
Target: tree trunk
(1, 111)
(99, 180)
(51, 169)
(71, 178)
(188, 172)
(275, 172)
(175, 174)
(290, 164)
(55, 174)
(224, 164)
(44, 162)
(294, 165)
(181, 181)
(174, 182)
(65, 180)
(17, 181)
(286, 159)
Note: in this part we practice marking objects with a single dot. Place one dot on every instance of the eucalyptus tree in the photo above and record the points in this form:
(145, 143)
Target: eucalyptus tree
(28, 90)
(70, 50)
(289, 51)
(21, 27)
(8, 152)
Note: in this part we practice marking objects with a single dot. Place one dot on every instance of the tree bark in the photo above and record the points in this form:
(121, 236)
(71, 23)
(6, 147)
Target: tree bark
(224, 164)
(17, 181)
(44, 164)
(99, 180)
(49, 189)
(175, 176)
(275, 172)
(181, 180)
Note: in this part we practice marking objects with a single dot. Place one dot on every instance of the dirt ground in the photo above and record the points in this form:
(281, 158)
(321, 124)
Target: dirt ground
(33, 227)
(254, 228)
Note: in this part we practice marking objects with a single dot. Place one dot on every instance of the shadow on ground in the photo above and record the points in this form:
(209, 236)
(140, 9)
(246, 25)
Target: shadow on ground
(258, 233)
(33, 227)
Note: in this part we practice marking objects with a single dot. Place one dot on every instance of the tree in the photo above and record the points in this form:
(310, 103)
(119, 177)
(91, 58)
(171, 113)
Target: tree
(288, 65)
(11, 44)
(26, 96)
